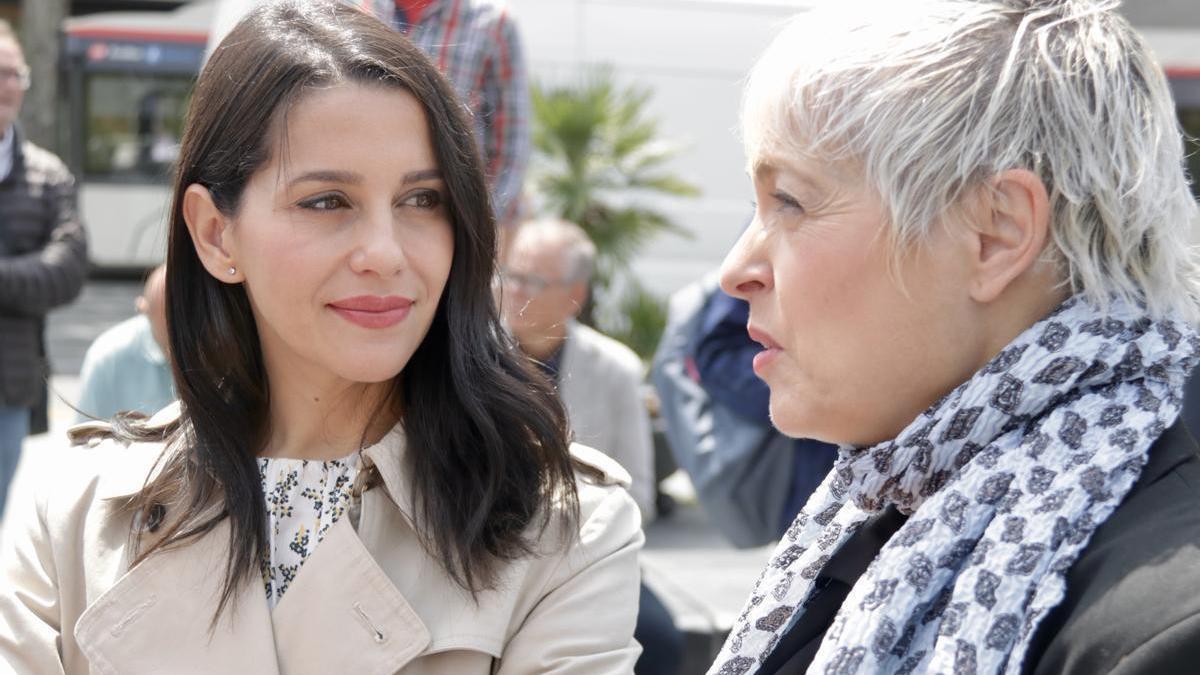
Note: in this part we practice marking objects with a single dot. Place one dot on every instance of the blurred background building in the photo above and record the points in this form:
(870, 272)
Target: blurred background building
(112, 80)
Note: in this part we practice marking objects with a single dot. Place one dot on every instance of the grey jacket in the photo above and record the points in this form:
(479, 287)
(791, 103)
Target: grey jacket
(600, 381)
(43, 261)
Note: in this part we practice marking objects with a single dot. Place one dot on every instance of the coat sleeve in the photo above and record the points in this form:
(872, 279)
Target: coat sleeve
(583, 624)
(35, 282)
(30, 627)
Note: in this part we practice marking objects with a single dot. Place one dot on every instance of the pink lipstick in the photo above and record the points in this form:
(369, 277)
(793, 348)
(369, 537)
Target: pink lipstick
(771, 349)
(373, 311)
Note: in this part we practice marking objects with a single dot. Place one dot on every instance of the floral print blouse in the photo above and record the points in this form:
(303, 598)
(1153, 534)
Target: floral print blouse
(304, 498)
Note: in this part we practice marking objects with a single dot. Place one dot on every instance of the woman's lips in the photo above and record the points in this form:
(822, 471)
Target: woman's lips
(771, 349)
(373, 311)
(762, 337)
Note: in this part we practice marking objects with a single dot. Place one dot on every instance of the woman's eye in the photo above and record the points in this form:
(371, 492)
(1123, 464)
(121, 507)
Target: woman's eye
(425, 199)
(324, 203)
(786, 201)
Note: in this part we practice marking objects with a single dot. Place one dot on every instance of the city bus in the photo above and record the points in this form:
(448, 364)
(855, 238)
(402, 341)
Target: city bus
(127, 80)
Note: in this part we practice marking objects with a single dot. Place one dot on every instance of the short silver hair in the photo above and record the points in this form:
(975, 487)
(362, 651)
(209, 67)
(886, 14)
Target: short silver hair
(932, 97)
(577, 247)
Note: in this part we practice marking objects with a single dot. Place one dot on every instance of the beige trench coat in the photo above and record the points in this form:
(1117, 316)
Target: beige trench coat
(369, 601)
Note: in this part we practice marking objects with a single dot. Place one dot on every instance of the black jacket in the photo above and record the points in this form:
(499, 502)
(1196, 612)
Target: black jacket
(1132, 603)
(43, 262)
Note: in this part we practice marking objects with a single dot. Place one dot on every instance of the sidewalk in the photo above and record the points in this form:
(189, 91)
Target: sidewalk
(700, 577)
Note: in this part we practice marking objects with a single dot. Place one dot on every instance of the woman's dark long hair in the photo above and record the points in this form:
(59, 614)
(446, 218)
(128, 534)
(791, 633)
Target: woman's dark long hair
(487, 440)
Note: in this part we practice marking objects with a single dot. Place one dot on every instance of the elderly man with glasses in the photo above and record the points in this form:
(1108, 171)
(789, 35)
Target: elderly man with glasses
(546, 281)
(545, 285)
(43, 257)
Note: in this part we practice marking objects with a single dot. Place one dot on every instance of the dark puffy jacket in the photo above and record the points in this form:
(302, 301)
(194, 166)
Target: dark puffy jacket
(43, 262)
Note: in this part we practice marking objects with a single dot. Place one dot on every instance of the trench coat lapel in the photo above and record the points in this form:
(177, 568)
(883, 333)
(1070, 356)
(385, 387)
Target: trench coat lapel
(156, 618)
(342, 614)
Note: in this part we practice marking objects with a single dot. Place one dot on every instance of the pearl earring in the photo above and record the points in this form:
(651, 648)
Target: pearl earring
(232, 270)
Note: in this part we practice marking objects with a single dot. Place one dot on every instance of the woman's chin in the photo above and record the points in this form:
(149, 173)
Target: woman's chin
(369, 373)
(793, 423)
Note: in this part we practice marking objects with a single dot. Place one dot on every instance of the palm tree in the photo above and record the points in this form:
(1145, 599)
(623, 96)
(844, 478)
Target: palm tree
(597, 158)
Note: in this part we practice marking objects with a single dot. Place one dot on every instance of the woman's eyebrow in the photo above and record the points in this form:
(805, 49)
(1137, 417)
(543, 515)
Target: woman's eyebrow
(422, 175)
(769, 170)
(762, 170)
(327, 176)
(355, 178)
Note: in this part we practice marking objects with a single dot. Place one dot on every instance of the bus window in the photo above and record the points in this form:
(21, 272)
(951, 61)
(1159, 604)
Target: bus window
(133, 125)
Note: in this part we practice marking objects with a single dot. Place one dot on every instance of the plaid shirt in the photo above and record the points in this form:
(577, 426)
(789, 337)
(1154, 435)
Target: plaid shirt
(475, 44)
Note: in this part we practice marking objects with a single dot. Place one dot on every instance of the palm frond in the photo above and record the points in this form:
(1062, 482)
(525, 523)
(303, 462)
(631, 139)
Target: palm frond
(598, 154)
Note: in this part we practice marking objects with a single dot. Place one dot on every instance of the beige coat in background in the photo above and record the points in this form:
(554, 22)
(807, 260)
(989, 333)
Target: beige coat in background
(370, 601)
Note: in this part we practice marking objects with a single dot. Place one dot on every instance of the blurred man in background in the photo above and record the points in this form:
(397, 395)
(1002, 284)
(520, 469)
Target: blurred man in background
(476, 45)
(724, 360)
(545, 284)
(126, 368)
(43, 257)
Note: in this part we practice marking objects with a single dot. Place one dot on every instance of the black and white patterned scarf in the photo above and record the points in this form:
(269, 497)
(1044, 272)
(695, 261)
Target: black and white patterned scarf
(1005, 480)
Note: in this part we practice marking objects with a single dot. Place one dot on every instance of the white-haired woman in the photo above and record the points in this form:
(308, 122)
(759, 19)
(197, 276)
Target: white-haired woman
(970, 266)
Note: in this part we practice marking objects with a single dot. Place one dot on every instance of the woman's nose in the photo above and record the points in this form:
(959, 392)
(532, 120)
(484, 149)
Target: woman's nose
(745, 270)
(379, 247)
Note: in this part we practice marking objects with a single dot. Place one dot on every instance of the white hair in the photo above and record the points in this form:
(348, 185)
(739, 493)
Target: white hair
(930, 98)
(578, 250)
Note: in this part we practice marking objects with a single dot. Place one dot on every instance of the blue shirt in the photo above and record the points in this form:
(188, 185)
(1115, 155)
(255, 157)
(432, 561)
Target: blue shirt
(124, 369)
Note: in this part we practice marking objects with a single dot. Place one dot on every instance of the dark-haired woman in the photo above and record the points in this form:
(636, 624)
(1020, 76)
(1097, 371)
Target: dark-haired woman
(360, 475)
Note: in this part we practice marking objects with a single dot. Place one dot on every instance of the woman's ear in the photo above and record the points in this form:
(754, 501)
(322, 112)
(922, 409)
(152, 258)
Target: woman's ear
(1010, 232)
(209, 229)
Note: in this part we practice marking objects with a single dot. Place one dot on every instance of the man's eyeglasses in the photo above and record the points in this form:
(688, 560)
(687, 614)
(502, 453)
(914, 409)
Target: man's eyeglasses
(20, 77)
(531, 283)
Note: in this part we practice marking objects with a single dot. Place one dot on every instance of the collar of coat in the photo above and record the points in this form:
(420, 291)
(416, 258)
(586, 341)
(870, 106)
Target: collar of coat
(128, 479)
(385, 457)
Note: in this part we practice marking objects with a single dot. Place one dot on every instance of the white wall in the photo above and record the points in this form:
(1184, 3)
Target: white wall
(693, 56)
